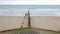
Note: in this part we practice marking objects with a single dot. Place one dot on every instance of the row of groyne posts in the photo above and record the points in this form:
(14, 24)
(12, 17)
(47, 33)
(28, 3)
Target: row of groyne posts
(29, 23)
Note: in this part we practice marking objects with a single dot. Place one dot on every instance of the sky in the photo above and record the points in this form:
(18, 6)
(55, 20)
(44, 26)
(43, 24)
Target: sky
(29, 2)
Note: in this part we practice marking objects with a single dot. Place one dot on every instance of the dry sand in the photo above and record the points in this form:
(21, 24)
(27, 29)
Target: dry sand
(45, 22)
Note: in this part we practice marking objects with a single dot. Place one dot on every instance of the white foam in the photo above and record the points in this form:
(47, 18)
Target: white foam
(33, 12)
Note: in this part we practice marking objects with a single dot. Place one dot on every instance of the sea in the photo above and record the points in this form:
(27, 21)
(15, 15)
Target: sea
(35, 10)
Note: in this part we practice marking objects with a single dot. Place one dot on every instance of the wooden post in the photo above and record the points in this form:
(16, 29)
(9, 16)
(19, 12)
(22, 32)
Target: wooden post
(29, 23)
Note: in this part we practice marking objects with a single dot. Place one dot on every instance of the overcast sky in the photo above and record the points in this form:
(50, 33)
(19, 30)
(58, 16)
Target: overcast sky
(29, 2)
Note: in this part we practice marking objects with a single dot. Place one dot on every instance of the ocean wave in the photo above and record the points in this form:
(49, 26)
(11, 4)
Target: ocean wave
(33, 12)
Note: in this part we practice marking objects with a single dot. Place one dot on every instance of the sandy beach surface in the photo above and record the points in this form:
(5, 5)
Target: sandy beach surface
(44, 22)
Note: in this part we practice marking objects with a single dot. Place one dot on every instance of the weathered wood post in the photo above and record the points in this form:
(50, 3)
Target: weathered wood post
(29, 23)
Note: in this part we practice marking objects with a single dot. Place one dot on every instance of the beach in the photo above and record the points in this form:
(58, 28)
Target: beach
(44, 22)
